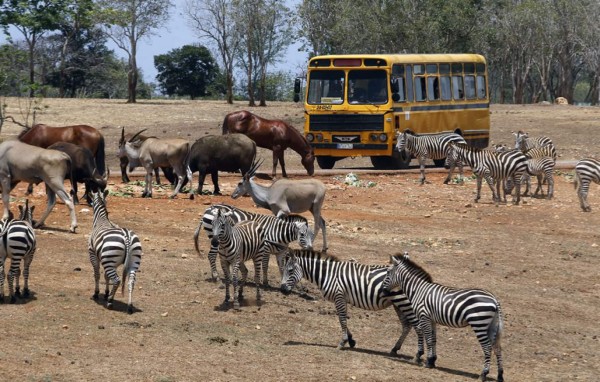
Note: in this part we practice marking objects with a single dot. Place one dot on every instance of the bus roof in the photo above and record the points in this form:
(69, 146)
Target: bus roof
(408, 58)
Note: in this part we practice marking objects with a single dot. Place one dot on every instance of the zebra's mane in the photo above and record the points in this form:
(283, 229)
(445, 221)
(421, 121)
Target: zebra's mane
(414, 268)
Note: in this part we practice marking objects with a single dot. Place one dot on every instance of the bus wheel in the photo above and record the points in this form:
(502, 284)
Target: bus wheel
(439, 162)
(326, 162)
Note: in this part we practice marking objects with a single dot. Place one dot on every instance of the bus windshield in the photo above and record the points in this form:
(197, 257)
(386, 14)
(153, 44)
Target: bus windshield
(367, 87)
(326, 87)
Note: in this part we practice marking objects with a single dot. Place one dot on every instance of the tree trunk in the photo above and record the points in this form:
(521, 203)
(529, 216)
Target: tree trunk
(229, 87)
(132, 75)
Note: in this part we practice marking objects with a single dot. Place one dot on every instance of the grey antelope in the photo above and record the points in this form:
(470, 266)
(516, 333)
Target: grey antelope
(586, 171)
(434, 146)
(286, 196)
(112, 246)
(21, 162)
(18, 243)
(238, 215)
(343, 283)
(493, 166)
(153, 152)
(438, 304)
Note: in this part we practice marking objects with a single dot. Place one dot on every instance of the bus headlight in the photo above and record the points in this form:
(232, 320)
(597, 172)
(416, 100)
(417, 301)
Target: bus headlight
(373, 137)
(383, 137)
(319, 137)
(310, 137)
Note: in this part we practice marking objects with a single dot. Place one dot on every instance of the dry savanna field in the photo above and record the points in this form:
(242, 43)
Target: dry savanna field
(541, 259)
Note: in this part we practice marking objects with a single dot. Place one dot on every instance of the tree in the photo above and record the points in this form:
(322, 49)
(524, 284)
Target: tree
(186, 71)
(213, 21)
(128, 21)
(33, 18)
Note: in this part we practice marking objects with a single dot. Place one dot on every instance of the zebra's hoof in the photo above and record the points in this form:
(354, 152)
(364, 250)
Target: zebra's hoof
(18, 293)
(13, 299)
(26, 293)
(129, 309)
(351, 342)
(394, 351)
(95, 296)
(109, 305)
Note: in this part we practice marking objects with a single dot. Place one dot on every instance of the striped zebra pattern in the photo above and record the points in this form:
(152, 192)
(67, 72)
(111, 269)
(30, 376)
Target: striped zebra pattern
(492, 166)
(112, 246)
(586, 171)
(543, 169)
(438, 304)
(434, 146)
(18, 243)
(345, 283)
(239, 243)
(270, 223)
(524, 143)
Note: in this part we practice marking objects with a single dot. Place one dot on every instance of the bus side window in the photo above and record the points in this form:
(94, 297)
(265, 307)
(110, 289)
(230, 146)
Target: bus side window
(470, 86)
(458, 92)
(420, 88)
(446, 89)
(481, 87)
(409, 83)
(433, 88)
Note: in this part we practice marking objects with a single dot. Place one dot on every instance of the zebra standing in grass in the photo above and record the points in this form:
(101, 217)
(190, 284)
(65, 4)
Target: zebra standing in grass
(112, 246)
(18, 243)
(438, 304)
(586, 171)
(434, 146)
(493, 166)
(237, 215)
(344, 282)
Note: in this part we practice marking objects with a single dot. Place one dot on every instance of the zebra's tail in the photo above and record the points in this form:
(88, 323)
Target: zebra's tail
(196, 235)
(127, 261)
(496, 328)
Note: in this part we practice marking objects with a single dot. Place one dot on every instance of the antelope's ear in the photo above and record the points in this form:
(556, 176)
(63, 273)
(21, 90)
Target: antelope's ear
(31, 209)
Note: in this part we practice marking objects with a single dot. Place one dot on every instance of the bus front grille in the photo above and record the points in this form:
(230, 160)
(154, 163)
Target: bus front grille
(346, 122)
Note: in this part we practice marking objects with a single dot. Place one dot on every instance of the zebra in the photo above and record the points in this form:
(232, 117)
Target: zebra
(237, 215)
(587, 170)
(18, 243)
(434, 146)
(493, 166)
(543, 169)
(111, 246)
(524, 143)
(438, 304)
(347, 282)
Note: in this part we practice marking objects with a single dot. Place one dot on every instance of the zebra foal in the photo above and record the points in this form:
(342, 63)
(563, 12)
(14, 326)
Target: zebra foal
(18, 243)
(524, 143)
(493, 166)
(587, 170)
(112, 246)
(434, 146)
(344, 283)
(438, 304)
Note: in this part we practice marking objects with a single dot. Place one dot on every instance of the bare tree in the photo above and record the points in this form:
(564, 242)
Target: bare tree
(213, 20)
(127, 22)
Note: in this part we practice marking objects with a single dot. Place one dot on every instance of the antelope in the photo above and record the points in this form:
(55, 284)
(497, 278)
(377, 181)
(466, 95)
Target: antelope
(153, 153)
(286, 196)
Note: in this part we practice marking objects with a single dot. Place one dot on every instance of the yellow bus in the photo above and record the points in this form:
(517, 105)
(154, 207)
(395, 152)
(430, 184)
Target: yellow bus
(356, 104)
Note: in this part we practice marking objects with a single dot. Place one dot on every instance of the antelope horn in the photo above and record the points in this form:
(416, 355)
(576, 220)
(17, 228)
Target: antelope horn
(136, 134)
(255, 166)
(123, 134)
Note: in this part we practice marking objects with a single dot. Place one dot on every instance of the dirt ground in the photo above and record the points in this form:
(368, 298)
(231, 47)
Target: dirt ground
(541, 259)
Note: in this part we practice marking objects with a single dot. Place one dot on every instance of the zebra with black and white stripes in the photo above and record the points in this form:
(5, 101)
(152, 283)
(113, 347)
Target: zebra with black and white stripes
(524, 143)
(438, 304)
(112, 246)
(18, 243)
(492, 166)
(345, 282)
(305, 234)
(587, 170)
(432, 146)
(543, 169)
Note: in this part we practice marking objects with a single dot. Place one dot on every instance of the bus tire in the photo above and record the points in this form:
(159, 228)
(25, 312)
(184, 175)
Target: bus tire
(326, 162)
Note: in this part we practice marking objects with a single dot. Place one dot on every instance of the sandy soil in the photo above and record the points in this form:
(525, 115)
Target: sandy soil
(541, 259)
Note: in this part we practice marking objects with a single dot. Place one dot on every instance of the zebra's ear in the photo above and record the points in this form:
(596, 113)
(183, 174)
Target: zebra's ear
(405, 256)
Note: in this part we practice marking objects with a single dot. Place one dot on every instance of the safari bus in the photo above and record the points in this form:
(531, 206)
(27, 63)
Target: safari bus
(356, 104)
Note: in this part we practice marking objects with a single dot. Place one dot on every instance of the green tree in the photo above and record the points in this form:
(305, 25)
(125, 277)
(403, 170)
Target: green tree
(128, 21)
(189, 70)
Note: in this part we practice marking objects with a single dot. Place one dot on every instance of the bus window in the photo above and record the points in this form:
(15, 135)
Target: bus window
(433, 88)
(420, 88)
(469, 68)
(444, 68)
(446, 92)
(409, 83)
(470, 87)
(457, 68)
(481, 87)
(431, 68)
(326, 86)
(458, 92)
(419, 69)
(398, 78)
(367, 87)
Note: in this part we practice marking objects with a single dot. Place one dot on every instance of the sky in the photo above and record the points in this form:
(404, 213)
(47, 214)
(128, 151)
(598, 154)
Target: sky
(176, 34)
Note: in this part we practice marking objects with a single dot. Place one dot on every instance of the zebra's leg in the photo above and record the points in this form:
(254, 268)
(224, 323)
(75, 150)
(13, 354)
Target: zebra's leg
(258, 264)
(96, 266)
(130, 287)
(422, 167)
(540, 185)
(405, 330)
(237, 291)
(227, 278)
(106, 284)
(2, 280)
(582, 193)
(265, 268)
(12, 273)
(342, 312)
(116, 282)
(27, 263)
(497, 347)
(484, 341)
(430, 338)
(517, 180)
(212, 259)
(550, 179)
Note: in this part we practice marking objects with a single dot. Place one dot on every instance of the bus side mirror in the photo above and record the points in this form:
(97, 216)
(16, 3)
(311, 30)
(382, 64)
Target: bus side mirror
(395, 85)
(395, 97)
(297, 83)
